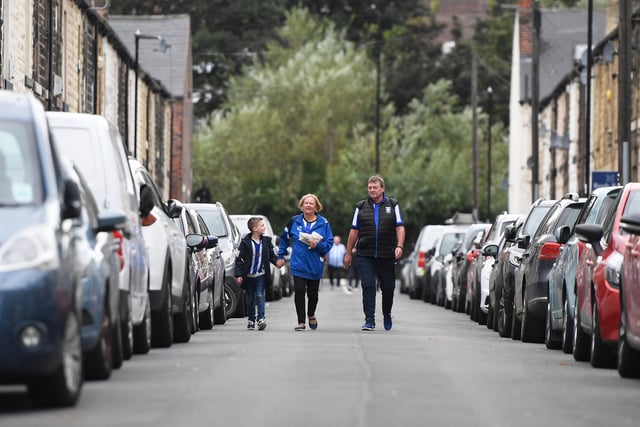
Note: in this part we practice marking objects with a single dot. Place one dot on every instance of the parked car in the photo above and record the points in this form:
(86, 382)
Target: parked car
(96, 148)
(172, 307)
(208, 290)
(629, 336)
(496, 279)
(403, 270)
(495, 275)
(532, 277)
(597, 312)
(99, 266)
(434, 286)
(217, 219)
(463, 256)
(486, 260)
(421, 254)
(508, 324)
(562, 276)
(477, 295)
(41, 292)
(240, 221)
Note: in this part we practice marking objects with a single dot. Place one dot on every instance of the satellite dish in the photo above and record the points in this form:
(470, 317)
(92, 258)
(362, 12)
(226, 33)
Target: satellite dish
(608, 51)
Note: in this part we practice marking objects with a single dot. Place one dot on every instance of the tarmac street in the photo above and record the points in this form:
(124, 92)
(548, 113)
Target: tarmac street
(435, 367)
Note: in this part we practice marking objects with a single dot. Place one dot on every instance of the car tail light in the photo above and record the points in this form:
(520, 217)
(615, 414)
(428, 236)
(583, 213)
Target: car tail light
(148, 220)
(118, 241)
(422, 257)
(550, 250)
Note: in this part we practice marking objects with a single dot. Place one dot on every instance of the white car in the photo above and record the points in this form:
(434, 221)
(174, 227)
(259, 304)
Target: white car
(95, 146)
(169, 287)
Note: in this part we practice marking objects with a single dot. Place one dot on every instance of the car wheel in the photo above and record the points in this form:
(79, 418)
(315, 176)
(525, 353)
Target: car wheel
(142, 334)
(601, 354)
(195, 315)
(531, 331)
(230, 300)
(567, 328)
(219, 312)
(63, 386)
(182, 320)
(503, 319)
(628, 357)
(117, 350)
(126, 334)
(207, 316)
(241, 309)
(98, 362)
(162, 320)
(550, 339)
(516, 326)
(580, 337)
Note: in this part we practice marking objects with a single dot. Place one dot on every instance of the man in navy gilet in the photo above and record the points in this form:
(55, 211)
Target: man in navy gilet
(377, 233)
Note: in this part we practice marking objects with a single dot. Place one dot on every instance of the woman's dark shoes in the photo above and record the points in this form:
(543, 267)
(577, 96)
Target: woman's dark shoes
(300, 327)
(313, 323)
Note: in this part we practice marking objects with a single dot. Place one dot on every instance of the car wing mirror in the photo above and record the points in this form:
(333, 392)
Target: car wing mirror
(590, 233)
(212, 242)
(196, 241)
(174, 208)
(523, 242)
(146, 201)
(630, 223)
(72, 202)
(562, 234)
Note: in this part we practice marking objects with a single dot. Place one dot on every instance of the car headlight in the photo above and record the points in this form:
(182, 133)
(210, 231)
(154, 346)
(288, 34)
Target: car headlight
(613, 268)
(229, 259)
(34, 247)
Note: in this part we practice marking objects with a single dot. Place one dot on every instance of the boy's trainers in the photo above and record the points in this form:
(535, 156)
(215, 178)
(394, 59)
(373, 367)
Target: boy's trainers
(368, 326)
(251, 325)
(388, 323)
(262, 324)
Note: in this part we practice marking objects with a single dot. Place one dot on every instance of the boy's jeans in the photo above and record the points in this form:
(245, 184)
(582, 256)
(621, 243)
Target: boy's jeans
(255, 295)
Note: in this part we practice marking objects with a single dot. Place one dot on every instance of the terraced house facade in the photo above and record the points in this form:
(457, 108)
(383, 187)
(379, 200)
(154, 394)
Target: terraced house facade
(72, 57)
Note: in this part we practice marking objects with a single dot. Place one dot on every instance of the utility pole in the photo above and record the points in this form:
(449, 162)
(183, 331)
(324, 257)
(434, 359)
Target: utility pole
(535, 94)
(624, 92)
(490, 111)
(378, 72)
(587, 108)
(474, 120)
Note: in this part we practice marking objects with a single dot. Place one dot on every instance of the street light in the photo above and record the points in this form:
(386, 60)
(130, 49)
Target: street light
(163, 47)
(378, 52)
(490, 111)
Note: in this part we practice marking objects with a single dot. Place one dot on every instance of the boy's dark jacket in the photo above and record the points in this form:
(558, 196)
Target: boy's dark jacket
(243, 260)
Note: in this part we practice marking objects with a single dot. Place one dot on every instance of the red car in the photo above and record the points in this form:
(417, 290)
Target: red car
(629, 340)
(597, 309)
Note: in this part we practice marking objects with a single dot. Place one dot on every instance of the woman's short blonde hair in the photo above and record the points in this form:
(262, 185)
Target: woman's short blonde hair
(315, 199)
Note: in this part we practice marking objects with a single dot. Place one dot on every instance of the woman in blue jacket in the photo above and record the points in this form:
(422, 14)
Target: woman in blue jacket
(311, 238)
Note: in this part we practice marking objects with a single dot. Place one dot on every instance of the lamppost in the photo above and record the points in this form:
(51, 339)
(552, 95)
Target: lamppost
(163, 48)
(378, 53)
(490, 111)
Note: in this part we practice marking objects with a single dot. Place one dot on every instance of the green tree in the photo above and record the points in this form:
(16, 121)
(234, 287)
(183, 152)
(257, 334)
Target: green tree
(286, 120)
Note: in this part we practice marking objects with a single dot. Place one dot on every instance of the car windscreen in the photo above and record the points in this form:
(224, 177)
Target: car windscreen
(215, 223)
(20, 175)
(534, 219)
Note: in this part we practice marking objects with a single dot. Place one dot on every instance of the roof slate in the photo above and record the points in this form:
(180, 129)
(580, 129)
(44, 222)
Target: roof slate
(169, 67)
(561, 32)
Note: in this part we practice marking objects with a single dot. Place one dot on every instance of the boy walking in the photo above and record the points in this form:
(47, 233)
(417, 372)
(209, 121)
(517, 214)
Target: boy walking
(252, 270)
